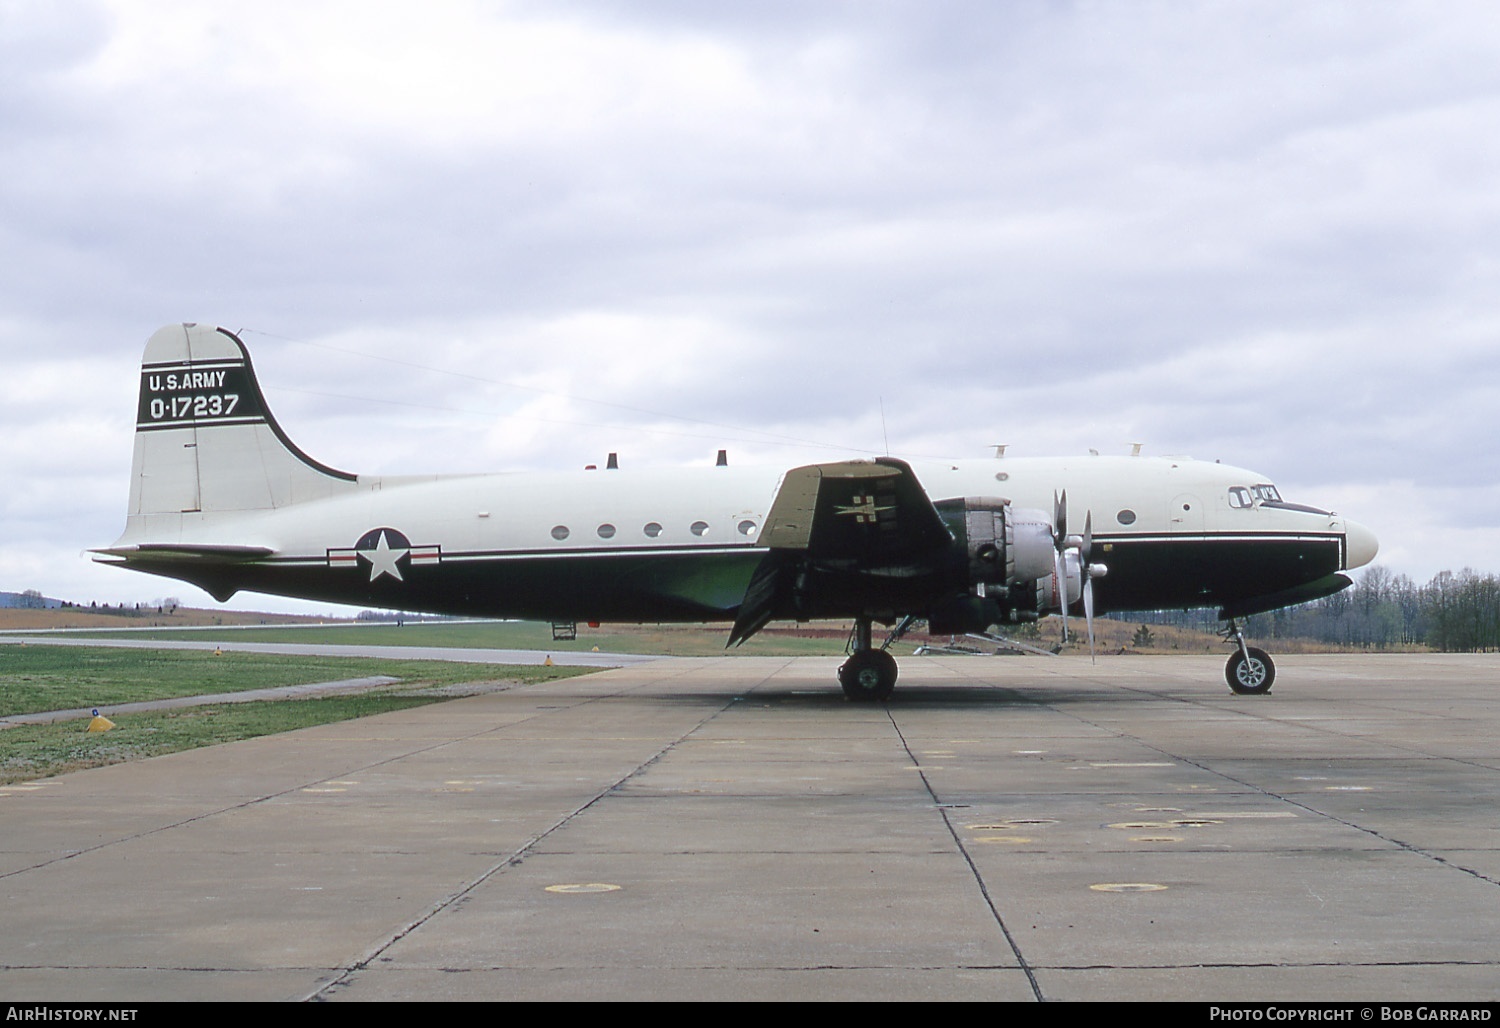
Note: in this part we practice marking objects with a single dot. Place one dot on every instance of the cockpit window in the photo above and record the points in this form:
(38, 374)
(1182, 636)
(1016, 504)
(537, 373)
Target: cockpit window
(1266, 495)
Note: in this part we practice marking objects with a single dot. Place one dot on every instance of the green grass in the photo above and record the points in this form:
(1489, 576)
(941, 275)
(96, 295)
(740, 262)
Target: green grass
(41, 751)
(37, 677)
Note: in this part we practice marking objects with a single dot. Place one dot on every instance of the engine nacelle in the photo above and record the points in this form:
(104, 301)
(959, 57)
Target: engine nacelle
(1010, 557)
(1006, 545)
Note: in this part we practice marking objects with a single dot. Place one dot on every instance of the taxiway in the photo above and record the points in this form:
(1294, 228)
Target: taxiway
(732, 828)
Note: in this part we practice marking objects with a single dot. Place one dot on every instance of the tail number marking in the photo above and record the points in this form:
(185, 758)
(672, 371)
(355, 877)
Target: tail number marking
(170, 397)
(215, 405)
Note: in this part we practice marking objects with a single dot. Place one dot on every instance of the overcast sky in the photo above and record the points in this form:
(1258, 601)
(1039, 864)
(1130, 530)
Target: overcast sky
(496, 236)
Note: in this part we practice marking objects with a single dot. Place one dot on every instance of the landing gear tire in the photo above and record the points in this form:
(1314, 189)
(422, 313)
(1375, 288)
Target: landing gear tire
(1251, 677)
(868, 676)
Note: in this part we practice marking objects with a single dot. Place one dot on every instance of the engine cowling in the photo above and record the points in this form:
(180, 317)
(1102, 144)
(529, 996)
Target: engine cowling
(1010, 565)
(1006, 545)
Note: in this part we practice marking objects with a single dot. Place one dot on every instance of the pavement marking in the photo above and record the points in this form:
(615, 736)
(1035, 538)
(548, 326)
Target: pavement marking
(1132, 763)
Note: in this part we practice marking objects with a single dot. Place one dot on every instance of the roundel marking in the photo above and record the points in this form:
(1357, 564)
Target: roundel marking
(385, 551)
(384, 548)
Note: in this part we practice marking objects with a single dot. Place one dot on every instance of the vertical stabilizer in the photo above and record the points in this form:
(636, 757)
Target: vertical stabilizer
(205, 441)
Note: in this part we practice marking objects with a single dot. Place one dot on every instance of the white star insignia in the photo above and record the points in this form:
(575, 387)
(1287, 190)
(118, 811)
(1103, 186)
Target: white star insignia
(383, 559)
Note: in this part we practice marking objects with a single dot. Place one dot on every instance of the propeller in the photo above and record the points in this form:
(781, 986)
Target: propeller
(1076, 549)
(1089, 571)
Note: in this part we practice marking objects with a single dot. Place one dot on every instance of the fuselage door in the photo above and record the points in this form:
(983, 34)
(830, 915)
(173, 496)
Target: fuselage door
(1185, 514)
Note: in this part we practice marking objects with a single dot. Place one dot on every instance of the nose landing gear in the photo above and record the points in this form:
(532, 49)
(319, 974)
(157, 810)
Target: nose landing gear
(1250, 670)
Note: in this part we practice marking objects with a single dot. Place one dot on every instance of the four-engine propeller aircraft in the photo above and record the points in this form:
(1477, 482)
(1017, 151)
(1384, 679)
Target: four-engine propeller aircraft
(222, 498)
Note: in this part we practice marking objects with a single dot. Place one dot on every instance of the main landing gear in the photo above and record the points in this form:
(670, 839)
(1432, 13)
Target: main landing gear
(1250, 670)
(869, 675)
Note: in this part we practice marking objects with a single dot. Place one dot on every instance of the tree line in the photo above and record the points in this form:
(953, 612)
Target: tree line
(1454, 613)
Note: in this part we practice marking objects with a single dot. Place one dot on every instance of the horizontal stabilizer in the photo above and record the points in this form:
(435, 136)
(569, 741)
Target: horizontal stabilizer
(204, 553)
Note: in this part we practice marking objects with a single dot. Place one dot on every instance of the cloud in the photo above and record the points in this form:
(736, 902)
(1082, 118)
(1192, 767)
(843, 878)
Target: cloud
(501, 236)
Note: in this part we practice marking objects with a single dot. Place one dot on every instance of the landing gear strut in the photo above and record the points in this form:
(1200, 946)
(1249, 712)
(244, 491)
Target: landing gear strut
(869, 675)
(1250, 670)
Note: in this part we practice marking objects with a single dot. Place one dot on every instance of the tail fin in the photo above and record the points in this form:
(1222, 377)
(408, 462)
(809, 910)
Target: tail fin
(205, 441)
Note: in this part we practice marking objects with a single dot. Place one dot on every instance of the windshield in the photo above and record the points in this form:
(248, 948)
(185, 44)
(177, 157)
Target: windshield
(1265, 494)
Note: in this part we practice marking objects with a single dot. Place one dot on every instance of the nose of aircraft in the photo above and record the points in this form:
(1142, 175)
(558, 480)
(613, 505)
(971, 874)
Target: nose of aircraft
(1360, 545)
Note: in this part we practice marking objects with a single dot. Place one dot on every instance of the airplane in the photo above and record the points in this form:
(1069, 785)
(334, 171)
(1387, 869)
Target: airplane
(222, 498)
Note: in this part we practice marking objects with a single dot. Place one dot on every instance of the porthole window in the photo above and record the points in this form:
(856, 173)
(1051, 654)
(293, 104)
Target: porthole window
(1126, 517)
(606, 531)
(699, 528)
(747, 528)
(560, 532)
(1002, 476)
(652, 529)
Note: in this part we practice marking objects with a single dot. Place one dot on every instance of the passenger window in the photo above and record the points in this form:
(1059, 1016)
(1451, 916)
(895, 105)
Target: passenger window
(747, 528)
(652, 529)
(606, 531)
(699, 528)
(560, 532)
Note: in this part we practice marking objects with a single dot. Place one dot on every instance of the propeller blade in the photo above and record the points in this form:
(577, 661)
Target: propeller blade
(1088, 537)
(1060, 518)
(1060, 571)
(1088, 611)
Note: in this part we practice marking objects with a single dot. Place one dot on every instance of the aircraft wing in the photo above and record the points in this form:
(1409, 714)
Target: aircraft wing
(860, 516)
(868, 511)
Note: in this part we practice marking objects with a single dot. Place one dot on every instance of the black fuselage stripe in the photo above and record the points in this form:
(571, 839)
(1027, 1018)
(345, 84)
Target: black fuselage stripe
(706, 550)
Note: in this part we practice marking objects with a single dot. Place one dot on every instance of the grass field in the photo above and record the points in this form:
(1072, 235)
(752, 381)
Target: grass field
(37, 677)
(40, 677)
